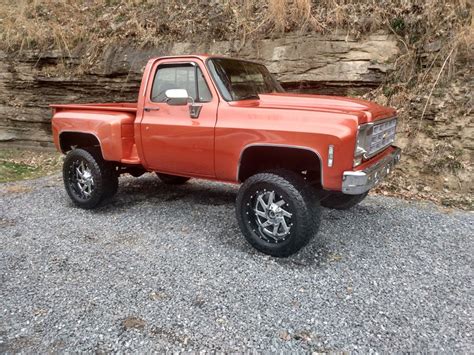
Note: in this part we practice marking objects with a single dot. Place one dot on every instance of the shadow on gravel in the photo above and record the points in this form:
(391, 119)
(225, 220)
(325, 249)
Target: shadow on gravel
(148, 189)
(133, 192)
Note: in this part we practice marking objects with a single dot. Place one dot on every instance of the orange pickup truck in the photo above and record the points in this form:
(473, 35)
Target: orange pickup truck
(212, 117)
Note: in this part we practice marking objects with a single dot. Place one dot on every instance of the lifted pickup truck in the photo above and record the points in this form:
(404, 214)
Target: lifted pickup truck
(229, 120)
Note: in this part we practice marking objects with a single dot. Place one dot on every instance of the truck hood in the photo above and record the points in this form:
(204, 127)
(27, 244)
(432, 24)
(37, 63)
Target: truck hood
(371, 111)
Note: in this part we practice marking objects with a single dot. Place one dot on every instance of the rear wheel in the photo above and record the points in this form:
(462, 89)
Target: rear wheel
(277, 212)
(172, 179)
(88, 179)
(340, 201)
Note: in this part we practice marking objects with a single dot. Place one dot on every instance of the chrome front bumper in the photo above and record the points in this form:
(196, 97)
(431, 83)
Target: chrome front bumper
(358, 182)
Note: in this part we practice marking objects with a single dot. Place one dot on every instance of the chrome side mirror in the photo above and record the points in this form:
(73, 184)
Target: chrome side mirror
(180, 97)
(177, 97)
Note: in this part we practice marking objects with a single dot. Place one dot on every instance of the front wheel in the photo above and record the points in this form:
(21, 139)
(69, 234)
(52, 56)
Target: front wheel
(88, 179)
(278, 212)
(340, 201)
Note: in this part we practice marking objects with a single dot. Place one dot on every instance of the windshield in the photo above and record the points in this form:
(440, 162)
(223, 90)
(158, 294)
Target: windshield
(241, 80)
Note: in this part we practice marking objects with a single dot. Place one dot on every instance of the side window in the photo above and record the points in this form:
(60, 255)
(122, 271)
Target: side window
(182, 76)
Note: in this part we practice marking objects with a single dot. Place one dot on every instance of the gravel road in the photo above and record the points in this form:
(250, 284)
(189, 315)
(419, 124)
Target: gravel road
(164, 267)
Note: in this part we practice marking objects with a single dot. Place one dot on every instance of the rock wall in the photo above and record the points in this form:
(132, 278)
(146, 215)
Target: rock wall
(335, 64)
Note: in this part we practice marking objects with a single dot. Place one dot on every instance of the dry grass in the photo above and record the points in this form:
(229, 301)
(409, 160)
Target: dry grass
(89, 27)
(20, 164)
(63, 24)
(86, 26)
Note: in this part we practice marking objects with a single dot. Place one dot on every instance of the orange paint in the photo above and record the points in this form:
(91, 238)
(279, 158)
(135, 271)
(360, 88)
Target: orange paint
(168, 140)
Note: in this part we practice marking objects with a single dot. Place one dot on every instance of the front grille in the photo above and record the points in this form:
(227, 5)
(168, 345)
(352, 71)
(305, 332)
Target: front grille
(383, 134)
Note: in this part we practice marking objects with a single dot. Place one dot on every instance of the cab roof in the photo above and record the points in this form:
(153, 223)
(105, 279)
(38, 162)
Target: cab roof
(202, 57)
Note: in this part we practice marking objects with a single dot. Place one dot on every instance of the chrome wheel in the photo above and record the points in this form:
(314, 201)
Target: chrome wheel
(82, 179)
(272, 216)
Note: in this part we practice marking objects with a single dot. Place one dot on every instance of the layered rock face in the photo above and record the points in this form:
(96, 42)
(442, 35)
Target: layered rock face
(30, 81)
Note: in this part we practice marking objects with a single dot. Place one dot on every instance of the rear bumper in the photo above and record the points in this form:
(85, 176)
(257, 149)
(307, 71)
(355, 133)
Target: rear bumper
(358, 182)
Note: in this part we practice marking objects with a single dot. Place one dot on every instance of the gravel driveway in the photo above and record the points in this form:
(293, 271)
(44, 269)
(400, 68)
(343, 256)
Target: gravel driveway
(165, 267)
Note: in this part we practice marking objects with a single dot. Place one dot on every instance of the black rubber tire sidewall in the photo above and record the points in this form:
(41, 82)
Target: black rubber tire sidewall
(302, 204)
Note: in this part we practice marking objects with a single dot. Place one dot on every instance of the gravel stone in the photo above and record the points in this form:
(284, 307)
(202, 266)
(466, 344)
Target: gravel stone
(165, 268)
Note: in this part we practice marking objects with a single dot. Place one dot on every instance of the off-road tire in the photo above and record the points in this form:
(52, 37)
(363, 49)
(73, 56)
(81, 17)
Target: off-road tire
(172, 179)
(104, 175)
(300, 199)
(340, 201)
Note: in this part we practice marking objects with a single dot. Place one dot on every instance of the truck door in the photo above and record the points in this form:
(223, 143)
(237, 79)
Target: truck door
(173, 141)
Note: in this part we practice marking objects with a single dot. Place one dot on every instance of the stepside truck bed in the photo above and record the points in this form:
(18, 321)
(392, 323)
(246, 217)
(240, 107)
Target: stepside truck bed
(112, 124)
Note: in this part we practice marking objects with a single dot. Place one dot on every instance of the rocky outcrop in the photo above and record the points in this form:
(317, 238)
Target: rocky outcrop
(30, 81)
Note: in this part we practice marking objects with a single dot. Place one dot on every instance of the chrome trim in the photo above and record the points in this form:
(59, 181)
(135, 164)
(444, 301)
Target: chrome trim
(83, 178)
(368, 156)
(359, 182)
(271, 216)
(370, 125)
(280, 146)
(383, 120)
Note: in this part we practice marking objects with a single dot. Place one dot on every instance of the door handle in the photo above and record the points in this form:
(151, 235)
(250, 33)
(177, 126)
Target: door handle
(148, 109)
(194, 111)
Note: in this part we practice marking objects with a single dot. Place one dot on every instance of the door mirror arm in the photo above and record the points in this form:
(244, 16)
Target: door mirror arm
(180, 97)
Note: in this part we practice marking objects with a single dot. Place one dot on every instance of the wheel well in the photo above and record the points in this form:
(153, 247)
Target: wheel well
(70, 140)
(256, 159)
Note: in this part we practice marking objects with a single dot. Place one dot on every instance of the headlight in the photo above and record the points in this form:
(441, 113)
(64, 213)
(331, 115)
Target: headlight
(363, 137)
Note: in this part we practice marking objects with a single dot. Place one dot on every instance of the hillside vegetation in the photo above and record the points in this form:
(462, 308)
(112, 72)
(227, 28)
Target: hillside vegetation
(431, 82)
